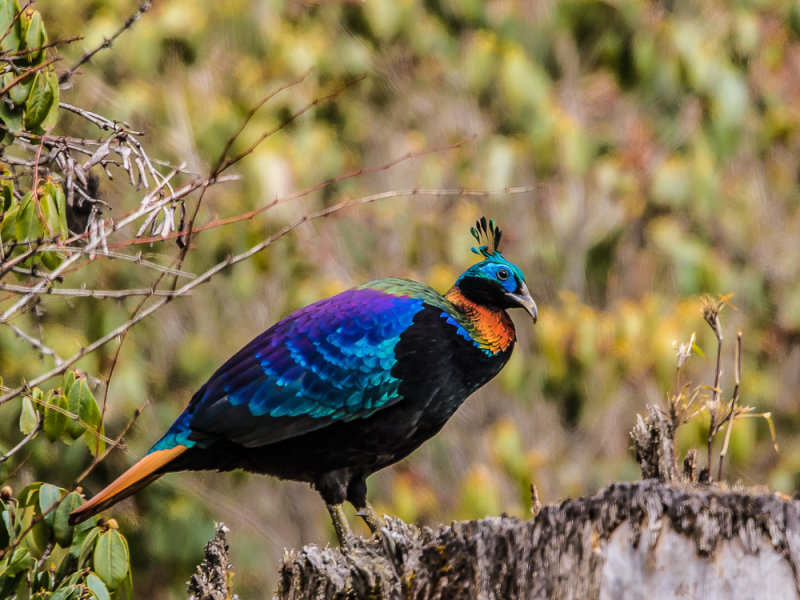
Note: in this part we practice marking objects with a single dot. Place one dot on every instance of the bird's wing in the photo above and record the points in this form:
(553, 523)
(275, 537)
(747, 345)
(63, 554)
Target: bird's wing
(330, 361)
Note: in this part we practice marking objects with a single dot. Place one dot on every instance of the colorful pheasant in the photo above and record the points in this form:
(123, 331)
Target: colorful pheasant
(345, 386)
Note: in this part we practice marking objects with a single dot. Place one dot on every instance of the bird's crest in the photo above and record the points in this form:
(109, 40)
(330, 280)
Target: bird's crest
(488, 235)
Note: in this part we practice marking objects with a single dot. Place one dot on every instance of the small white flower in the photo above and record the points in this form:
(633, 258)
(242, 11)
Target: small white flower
(685, 351)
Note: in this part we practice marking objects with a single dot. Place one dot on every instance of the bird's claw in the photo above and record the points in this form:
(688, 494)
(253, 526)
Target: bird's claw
(371, 517)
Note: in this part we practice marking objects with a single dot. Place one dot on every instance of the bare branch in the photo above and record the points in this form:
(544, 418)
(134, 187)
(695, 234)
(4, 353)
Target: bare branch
(323, 184)
(223, 155)
(23, 442)
(26, 73)
(107, 42)
(36, 343)
(92, 245)
(146, 263)
(100, 121)
(86, 292)
(285, 123)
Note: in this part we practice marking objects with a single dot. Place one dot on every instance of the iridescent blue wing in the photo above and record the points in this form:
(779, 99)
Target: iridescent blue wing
(330, 361)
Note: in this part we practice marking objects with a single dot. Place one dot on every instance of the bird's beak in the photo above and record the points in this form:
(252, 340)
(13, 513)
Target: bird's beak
(524, 300)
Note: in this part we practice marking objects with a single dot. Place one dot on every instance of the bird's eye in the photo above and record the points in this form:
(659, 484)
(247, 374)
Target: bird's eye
(503, 274)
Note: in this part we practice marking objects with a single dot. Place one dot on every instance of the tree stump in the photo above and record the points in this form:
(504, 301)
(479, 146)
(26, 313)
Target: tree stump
(631, 541)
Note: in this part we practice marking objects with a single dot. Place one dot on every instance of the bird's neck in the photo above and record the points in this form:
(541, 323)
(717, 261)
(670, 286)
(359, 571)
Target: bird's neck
(491, 327)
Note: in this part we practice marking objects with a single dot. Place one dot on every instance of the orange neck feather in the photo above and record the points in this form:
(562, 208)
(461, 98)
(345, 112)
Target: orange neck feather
(492, 329)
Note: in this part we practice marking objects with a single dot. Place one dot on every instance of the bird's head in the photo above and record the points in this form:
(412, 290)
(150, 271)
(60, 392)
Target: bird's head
(495, 281)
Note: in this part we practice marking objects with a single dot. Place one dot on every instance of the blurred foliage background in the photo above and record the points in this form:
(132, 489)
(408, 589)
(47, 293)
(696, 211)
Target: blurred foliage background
(661, 141)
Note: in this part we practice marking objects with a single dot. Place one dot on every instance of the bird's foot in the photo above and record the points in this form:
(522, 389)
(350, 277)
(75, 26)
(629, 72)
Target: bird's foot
(342, 527)
(371, 517)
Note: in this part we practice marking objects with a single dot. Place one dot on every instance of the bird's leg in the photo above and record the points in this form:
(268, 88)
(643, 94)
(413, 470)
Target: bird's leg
(340, 524)
(371, 517)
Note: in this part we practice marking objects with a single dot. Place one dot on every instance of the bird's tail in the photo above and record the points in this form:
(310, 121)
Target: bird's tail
(131, 481)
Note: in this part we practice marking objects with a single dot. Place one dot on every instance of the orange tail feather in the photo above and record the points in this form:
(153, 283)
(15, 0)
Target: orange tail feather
(130, 482)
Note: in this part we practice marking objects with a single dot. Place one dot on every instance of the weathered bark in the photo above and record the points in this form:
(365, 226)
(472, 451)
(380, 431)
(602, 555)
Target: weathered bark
(631, 541)
(212, 580)
(654, 446)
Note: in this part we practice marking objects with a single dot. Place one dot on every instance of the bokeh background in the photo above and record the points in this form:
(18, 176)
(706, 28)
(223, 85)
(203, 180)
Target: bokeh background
(661, 143)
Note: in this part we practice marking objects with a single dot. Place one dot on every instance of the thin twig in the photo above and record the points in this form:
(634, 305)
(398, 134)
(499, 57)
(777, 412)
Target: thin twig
(734, 402)
(86, 293)
(100, 121)
(23, 441)
(37, 343)
(91, 246)
(286, 122)
(711, 316)
(224, 154)
(323, 184)
(107, 42)
(26, 73)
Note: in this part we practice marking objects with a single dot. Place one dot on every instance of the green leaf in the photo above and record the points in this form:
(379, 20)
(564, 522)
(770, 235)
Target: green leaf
(24, 21)
(88, 545)
(21, 90)
(111, 559)
(8, 584)
(128, 585)
(88, 410)
(23, 591)
(6, 525)
(80, 397)
(9, 9)
(39, 102)
(6, 190)
(51, 260)
(68, 568)
(35, 37)
(28, 419)
(48, 496)
(51, 118)
(82, 529)
(21, 560)
(54, 208)
(94, 442)
(42, 534)
(67, 593)
(69, 379)
(62, 530)
(29, 227)
(97, 587)
(77, 393)
(10, 115)
(8, 225)
(44, 581)
(55, 418)
(29, 495)
(53, 205)
(89, 414)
